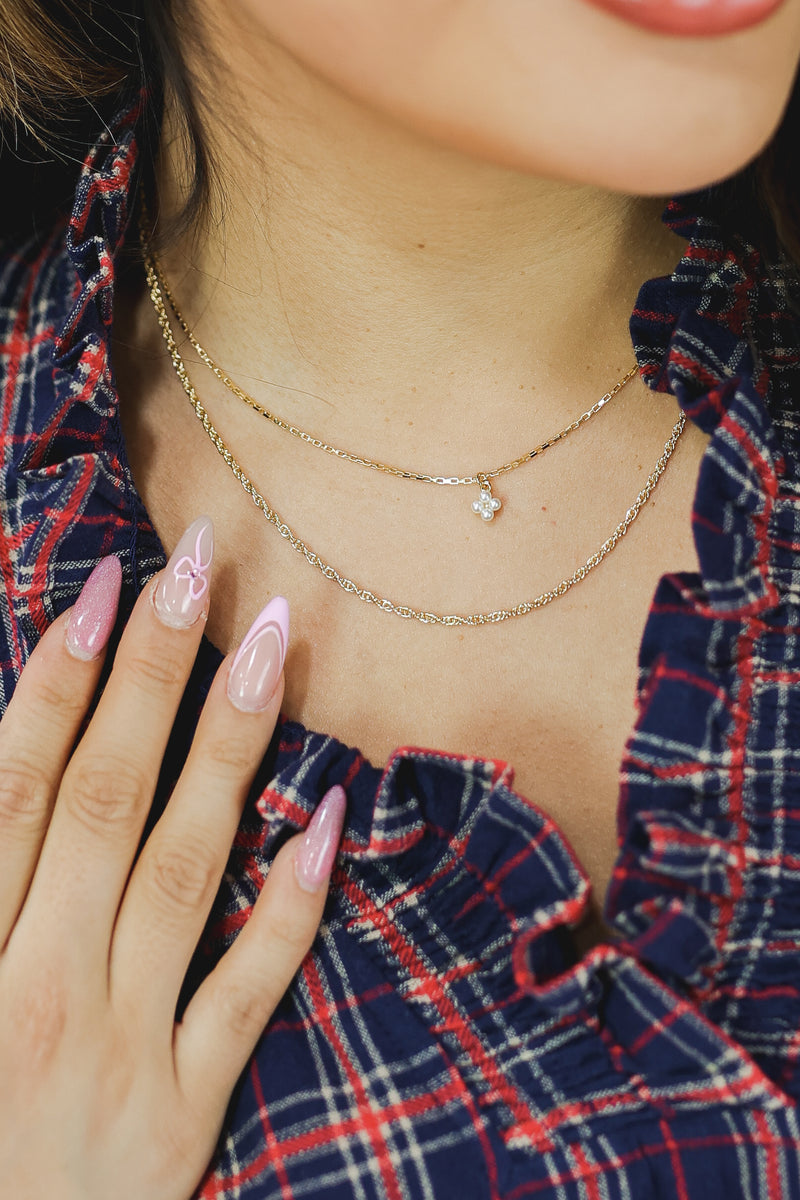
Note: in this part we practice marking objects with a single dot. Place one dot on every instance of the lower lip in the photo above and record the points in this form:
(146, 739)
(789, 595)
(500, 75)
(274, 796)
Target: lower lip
(691, 18)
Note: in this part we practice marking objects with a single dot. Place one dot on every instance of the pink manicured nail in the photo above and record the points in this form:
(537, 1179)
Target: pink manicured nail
(94, 614)
(315, 857)
(182, 592)
(257, 667)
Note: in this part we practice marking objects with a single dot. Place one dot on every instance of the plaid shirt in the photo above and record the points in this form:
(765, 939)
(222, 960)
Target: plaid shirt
(443, 1038)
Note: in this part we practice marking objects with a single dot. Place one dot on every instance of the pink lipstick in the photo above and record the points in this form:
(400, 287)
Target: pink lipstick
(691, 18)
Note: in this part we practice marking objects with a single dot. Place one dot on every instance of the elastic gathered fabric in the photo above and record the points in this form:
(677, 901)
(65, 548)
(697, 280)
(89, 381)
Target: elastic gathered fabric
(444, 1037)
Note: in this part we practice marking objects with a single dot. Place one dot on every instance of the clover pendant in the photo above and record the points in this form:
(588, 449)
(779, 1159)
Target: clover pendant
(488, 504)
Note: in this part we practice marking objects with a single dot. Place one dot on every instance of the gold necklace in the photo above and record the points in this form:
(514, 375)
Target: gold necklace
(348, 585)
(486, 506)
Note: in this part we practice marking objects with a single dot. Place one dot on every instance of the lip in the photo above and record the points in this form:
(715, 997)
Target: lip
(691, 18)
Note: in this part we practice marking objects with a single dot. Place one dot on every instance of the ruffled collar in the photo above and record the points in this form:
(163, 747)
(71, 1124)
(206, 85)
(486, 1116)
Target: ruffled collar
(704, 333)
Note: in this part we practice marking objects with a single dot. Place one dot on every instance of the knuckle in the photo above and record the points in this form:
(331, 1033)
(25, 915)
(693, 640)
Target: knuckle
(24, 802)
(155, 672)
(39, 1021)
(113, 1091)
(105, 796)
(176, 1144)
(230, 756)
(55, 694)
(243, 1010)
(182, 875)
(293, 936)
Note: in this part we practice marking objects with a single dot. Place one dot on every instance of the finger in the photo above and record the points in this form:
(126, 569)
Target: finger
(40, 726)
(108, 785)
(231, 1008)
(178, 872)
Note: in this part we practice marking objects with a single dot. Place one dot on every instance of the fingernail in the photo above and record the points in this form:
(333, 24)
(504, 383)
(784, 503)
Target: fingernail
(316, 854)
(257, 667)
(95, 611)
(181, 595)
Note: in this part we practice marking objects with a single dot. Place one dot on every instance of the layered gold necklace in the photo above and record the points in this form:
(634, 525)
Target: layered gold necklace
(485, 506)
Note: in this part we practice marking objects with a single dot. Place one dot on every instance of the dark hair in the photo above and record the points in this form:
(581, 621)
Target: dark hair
(63, 71)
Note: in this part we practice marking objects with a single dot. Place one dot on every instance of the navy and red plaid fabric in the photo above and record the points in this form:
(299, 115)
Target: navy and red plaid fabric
(443, 1038)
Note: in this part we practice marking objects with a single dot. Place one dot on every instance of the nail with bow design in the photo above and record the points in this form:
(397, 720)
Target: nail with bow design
(181, 595)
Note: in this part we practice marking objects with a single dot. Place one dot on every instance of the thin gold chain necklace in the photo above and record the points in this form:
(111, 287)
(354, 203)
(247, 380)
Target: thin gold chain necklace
(348, 585)
(486, 506)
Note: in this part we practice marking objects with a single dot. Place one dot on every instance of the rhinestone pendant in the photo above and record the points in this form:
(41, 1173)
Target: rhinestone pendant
(488, 504)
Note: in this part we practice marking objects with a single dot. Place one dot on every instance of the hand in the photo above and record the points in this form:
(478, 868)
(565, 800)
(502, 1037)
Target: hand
(103, 1094)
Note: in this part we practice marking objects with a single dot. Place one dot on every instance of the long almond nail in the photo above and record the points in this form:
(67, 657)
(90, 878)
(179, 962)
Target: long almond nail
(314, 859)
(257, 667)
(95, 611)
(182, 592)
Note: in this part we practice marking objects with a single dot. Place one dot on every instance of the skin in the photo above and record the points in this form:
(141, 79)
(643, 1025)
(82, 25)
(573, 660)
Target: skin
(477, 75)
(438, 274)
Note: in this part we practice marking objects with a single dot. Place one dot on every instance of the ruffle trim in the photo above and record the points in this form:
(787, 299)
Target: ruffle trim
(95, 234)
(445, 812)
(706, 845)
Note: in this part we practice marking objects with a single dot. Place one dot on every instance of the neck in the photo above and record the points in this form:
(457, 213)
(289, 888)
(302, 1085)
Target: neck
(358, 262)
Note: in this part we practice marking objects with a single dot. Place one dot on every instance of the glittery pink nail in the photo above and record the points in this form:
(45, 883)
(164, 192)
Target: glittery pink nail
(181, 594)
(94, 614)
(257, 667)
(314, 859)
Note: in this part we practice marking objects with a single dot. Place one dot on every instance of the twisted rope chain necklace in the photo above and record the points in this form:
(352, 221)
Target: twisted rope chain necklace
(157, 292)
